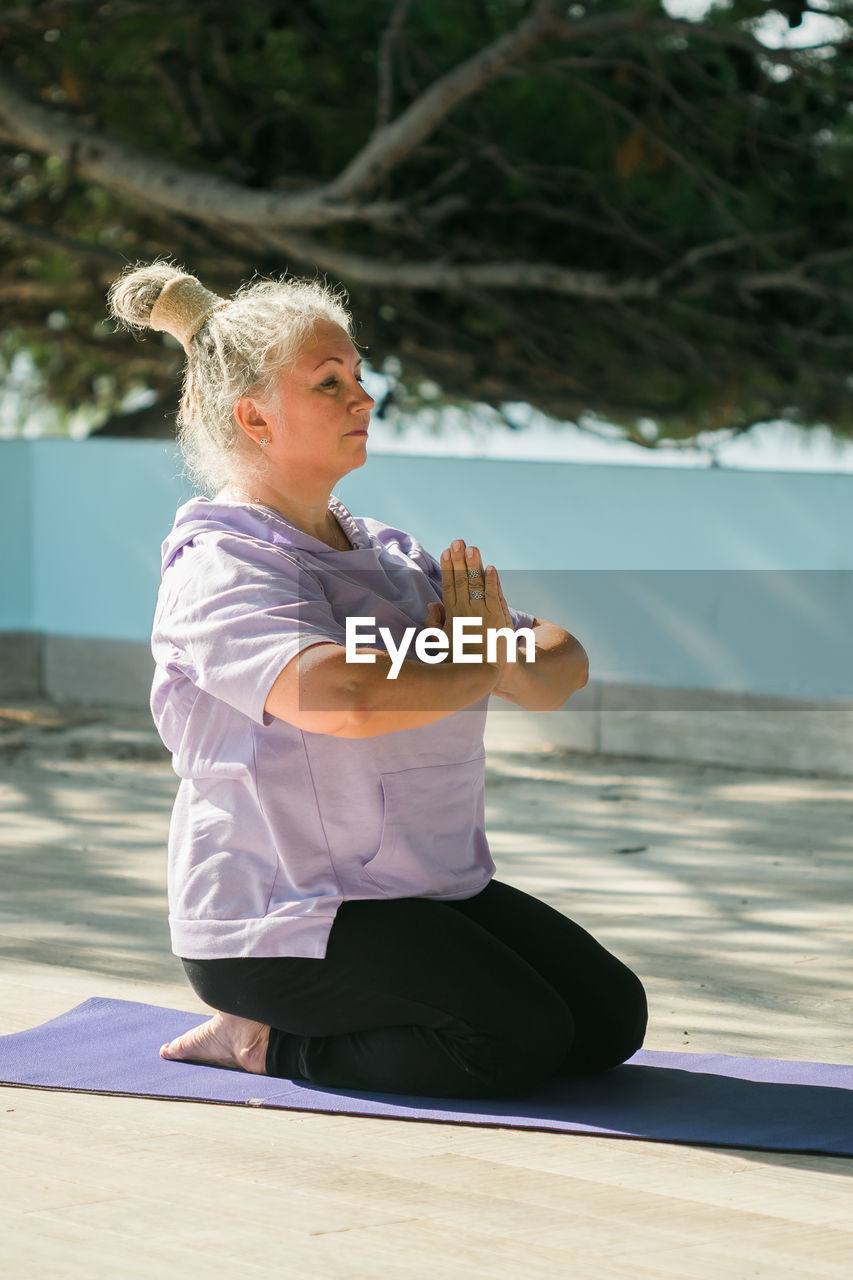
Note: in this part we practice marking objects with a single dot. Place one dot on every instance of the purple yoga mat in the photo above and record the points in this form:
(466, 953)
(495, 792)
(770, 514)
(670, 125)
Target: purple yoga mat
(111, 1046)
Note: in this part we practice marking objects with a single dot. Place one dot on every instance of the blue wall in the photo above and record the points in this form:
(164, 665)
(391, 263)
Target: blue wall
(16, 534)
(738, 581)
(100, 511)
(565, 515)
(689, 578)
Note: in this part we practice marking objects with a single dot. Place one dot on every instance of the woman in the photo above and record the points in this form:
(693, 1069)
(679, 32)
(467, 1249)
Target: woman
(331, 889)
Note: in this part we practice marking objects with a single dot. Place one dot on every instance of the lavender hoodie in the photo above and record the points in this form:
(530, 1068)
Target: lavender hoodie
(273, 828)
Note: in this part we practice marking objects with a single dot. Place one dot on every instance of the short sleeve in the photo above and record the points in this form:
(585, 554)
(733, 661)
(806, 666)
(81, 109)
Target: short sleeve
(232, 612)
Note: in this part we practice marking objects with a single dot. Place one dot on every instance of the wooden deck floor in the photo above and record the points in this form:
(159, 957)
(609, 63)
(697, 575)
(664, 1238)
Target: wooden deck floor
(728, 891)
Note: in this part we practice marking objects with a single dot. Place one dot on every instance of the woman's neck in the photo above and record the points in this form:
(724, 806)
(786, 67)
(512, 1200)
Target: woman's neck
(310, 513)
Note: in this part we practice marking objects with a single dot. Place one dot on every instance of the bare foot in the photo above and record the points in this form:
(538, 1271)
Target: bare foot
(223, 1041)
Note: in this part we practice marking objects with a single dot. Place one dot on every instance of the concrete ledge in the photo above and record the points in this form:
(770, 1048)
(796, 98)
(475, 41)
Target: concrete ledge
(20, 664)
(702, 726)
(110, 672)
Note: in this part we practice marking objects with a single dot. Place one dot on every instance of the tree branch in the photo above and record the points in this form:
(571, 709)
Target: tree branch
(206, 113)
(174, 94)
(43, 292)
(703, 178)
(100, 256)
(727, 245)
(388, 146)
(56, 11)
(386, 48)
(106, 260)
(139, 178)
(793, 281)
(546, 277)
(161, 184)
(832, 342)
(457, 277)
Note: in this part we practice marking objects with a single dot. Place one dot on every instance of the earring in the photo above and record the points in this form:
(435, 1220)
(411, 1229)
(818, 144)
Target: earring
(264, 442)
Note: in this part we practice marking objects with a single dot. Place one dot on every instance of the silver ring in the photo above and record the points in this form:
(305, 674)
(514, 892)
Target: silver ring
(476, 595)
(474, 573)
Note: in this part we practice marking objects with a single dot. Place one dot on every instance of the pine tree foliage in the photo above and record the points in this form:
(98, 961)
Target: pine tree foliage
(590, 207)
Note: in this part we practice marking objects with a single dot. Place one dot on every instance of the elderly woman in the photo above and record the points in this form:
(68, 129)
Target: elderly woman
(331, 890)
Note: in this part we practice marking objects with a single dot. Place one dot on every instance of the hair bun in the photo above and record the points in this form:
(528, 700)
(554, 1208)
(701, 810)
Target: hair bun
(162, 297)
(182, 308)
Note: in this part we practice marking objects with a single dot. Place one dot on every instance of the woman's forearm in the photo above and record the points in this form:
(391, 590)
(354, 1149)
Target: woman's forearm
(560, 669)
(318, 691)
(420, 695)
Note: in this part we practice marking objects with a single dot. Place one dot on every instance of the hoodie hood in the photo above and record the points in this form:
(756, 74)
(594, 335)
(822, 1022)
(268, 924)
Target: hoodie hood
(214, 515)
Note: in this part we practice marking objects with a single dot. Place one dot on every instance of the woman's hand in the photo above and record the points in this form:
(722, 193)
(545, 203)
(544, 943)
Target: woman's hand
(463, 573)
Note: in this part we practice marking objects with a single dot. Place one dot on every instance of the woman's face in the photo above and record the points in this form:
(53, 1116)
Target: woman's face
(317, 422)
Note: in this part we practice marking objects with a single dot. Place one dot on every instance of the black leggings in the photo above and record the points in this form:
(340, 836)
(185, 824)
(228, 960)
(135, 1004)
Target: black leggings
(477, 998)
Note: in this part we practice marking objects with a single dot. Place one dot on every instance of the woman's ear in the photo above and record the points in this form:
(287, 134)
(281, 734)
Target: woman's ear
(251, 418)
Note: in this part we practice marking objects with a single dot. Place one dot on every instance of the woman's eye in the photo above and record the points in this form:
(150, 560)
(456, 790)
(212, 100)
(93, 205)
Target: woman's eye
(333, 382)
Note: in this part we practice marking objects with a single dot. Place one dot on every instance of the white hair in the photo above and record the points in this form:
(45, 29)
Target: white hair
(241, 349)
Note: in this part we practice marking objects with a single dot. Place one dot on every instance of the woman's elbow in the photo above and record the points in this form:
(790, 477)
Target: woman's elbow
(577, 678)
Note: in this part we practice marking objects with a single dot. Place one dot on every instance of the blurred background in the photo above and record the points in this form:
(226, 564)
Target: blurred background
(600, 259)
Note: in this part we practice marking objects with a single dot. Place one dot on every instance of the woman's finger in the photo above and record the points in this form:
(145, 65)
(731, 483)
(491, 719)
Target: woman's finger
(448, 582)
(460, 574)
(487, 604)
(474, 580)
(504, 606)
(434, 614)
(497, 609)
(476, 584)
(493, 589)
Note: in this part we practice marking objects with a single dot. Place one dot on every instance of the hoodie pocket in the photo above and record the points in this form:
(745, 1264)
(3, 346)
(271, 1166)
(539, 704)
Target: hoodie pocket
(432, 831)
